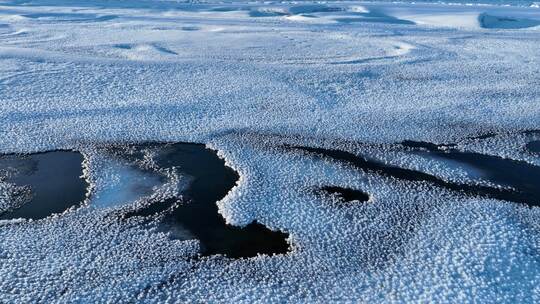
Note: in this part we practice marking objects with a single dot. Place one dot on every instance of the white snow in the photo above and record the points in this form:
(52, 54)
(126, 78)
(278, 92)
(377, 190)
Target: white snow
(246, 78)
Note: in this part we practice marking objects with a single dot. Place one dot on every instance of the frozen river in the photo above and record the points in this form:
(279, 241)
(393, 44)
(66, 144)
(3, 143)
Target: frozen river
(314, 152)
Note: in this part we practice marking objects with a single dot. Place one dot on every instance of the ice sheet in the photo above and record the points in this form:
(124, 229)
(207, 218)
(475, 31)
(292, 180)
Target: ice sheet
(247, 79)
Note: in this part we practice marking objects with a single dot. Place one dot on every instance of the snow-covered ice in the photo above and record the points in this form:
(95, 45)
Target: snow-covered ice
(251, 80)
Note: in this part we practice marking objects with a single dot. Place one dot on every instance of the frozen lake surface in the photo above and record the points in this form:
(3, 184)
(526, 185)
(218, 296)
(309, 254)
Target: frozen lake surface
(338, 151)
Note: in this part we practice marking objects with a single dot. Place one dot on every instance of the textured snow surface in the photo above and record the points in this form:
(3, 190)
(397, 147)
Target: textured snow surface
(248, 80)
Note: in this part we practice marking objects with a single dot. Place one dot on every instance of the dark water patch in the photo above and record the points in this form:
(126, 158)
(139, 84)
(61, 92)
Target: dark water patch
(534, 147)
(499, 22)
(225, 9)
(124, 46)
(531, 132)
(266, 13)
(424, 145)
(313, 8)
(53, 178)
(373, 17)
(165, 50)
(346, 194)
(483, 136)
(386, 19)
(191, 28)
(527, 190)
(521, 176)
(70, 17)
(211, 181)
(153, 209)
